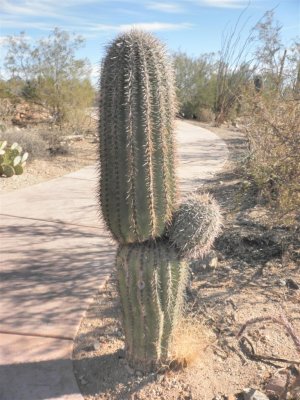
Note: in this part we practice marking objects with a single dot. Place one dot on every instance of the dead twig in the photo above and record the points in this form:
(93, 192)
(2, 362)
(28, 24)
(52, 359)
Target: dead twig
(248, 349)
(282, 320)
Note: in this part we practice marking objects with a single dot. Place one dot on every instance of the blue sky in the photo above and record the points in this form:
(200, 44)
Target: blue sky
(193, 26)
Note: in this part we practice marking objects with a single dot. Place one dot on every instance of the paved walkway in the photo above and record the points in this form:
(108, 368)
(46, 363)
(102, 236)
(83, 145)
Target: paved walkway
(55, 254)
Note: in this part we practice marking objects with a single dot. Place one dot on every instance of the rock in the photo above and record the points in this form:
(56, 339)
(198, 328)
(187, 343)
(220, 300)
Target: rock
(213, 263)
(285, 380)
(119, 334)
(206, 263)
(96, 345)
(291, 284)
(160, 378)
(139, 374)
(277, 384)
(254, 394)
(281, 282)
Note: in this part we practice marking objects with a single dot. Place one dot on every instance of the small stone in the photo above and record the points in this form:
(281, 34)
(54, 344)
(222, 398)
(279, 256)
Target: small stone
(218, 397)
(231, 397)
(96, 345)
(213, 263)
(281, 282)
(139, 374)
(254, 394)
(291, 284)
(160, 378)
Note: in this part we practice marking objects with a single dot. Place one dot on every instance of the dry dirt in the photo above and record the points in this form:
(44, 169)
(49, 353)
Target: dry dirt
(252, 273)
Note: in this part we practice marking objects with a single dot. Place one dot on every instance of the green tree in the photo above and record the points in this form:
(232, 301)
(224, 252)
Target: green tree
(51, 74)
(195, 81)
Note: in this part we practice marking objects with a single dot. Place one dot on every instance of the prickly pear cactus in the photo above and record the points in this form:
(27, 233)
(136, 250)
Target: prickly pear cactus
(11, 160)
(137, 110)
(195, 225)
(151, 281)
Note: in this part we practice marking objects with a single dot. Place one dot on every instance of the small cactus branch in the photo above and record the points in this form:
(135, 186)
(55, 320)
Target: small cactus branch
(195, 225)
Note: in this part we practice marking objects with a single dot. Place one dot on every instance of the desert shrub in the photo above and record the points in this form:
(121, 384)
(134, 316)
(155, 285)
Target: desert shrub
(205, 115)
(29, 140)
(56, 142)
(273, 130)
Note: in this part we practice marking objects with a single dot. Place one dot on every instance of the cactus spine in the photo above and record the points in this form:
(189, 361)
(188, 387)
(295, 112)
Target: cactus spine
(151, 280)
(137, 109)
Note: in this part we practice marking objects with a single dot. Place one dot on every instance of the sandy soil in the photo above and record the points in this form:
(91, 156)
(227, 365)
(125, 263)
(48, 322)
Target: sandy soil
(253, 272)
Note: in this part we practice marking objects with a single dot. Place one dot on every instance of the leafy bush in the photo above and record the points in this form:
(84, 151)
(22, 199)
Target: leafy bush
(205, 115)
(273, 129)
(55, 141)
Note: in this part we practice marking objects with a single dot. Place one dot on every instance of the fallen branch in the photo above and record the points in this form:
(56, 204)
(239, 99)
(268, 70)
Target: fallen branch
(248, 349)
(282, 320)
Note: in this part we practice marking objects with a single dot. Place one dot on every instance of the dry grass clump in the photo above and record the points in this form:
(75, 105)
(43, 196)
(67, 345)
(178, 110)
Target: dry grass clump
(190, 339)
(30, 141)
(273, 129)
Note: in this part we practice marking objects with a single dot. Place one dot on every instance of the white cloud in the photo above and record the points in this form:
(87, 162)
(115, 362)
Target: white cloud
(165, 7)
(28, 8)
(19, 24)
(225, 3)
(147, 26)
(45, 8)
(21, 14)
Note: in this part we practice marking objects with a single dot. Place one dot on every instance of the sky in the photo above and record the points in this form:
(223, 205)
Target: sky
(192, 26)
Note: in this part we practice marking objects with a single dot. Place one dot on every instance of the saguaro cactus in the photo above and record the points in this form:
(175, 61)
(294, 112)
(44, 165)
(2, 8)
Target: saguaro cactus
(152, 280)
(137, 195)
(137, 109)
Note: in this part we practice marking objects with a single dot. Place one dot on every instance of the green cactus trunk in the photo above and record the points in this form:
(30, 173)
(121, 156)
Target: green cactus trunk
(151, 281)
(137, 109)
